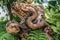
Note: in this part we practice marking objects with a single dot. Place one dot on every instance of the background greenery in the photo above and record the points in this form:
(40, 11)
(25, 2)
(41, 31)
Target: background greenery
(52, 13)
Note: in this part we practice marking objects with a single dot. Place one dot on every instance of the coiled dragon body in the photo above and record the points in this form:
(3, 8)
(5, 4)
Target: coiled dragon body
(27, 8)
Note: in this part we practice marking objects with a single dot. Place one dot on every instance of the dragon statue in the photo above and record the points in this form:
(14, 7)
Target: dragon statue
(33, 17)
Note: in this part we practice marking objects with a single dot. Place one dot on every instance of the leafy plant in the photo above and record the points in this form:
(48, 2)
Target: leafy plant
(37, 35)
(52, 16)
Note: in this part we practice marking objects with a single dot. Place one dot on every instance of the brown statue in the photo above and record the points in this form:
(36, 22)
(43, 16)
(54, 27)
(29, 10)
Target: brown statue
(31, 11)
(34, 18)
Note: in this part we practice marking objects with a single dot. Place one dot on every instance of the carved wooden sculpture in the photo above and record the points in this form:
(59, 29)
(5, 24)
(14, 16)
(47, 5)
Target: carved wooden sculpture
(31, 11)
(34, 18)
